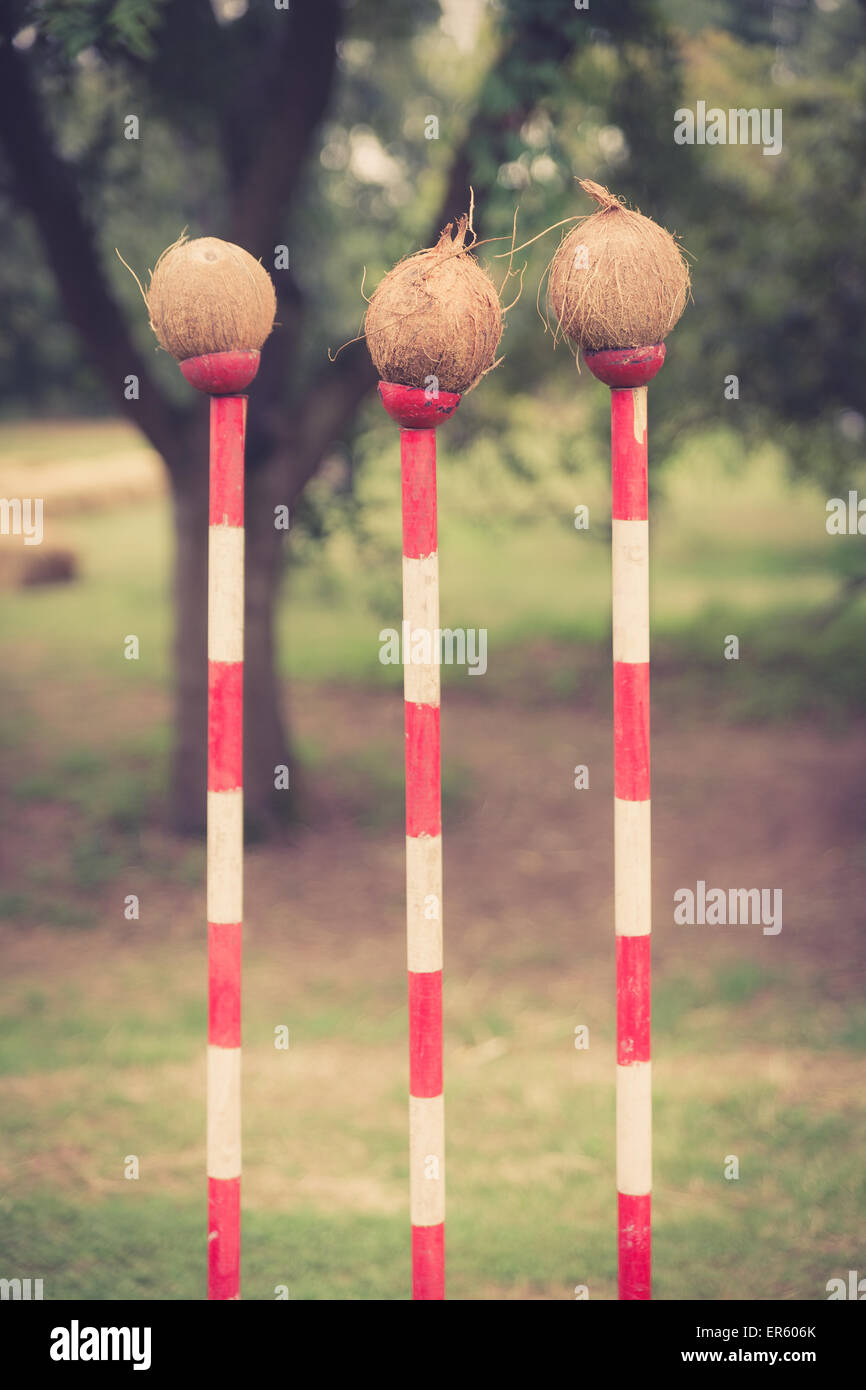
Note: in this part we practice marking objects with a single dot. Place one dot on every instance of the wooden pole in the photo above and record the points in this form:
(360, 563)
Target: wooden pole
(223, 375)
(627, 372)
(418, 412)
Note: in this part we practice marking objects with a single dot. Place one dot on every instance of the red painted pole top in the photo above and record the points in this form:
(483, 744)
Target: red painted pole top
(221, 373)
(416, 408)
(624, 368)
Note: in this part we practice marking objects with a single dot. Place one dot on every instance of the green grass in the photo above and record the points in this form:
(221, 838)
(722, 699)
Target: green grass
(93, 1077)
(530, 1198)
(733, 551)
(141, 1247)
(101, 1051)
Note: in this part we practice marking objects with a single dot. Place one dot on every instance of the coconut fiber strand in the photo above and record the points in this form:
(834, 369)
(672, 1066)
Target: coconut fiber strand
(618, 280)
(207, 296)
(435, 314)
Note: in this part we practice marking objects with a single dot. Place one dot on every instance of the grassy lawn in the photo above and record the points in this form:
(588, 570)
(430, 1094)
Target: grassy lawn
(88, 1080)
(735, 549)
(759, 1042)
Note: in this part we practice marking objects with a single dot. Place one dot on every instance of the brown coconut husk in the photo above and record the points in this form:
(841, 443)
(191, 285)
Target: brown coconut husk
(208, 295)
(437, 313)
(635, 283)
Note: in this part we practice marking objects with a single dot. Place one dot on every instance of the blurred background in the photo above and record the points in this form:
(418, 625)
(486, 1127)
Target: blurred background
(348, 135)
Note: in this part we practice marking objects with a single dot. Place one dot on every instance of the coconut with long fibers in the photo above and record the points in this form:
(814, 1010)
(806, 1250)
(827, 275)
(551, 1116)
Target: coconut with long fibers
(436, 314)
(618, 280)
(207, 296)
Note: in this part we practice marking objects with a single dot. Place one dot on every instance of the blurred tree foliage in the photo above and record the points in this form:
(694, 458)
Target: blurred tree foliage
(313, 129)
(778, 242)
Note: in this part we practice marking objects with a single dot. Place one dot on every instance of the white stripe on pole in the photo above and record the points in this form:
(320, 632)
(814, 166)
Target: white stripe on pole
(226, 593)
(423, 914)
(225, 827)
(426, 1144)
(630, 557)
(632, 867)
(224, 1112)
(421, 616)
(634, 1128)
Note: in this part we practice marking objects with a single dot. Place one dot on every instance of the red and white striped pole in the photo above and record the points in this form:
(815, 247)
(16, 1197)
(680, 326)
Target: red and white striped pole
(418, 412)
(626, 372)
(223, 375)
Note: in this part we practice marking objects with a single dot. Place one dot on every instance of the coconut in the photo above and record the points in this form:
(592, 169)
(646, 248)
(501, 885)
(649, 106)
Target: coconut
(208, 296)
(618, 280)
(437, 314)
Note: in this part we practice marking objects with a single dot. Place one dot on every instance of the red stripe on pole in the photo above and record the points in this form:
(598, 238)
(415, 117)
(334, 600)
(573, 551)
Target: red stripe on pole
(631, 735)
(423, 796)
(629, 461)
(224, 973)
(635, 1246)
(425, 1033)
(428, 1262)
(224, 1238)
(418, 469)
(225, 752)
(228, 416)
(632, 999)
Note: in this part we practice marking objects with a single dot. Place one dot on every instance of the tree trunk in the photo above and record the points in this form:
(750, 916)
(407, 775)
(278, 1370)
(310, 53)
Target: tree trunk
(266, 745)
(189, 483)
